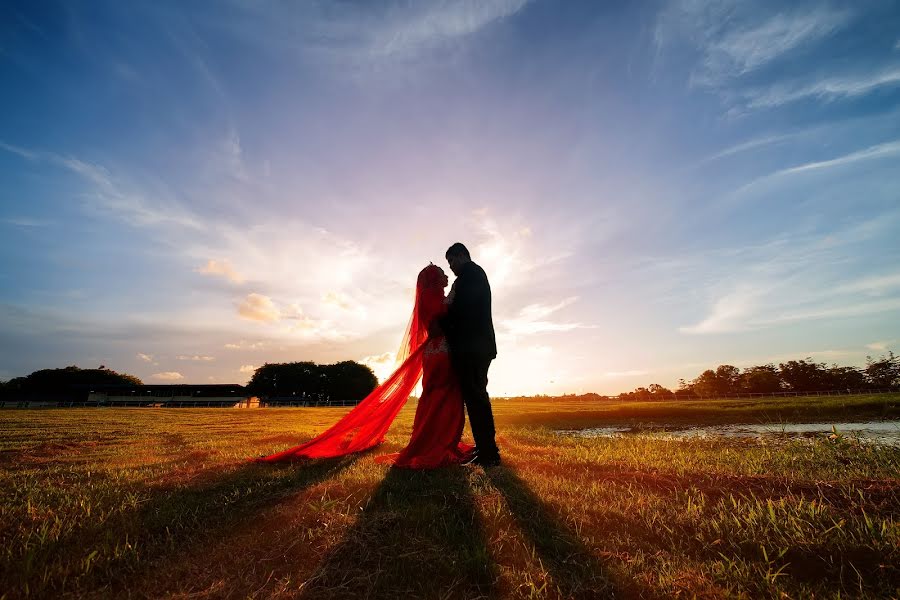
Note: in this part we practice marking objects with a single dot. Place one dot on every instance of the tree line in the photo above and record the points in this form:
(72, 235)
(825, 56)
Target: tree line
(351, 381)
(307, 381)
(49, 381)
(804, 375)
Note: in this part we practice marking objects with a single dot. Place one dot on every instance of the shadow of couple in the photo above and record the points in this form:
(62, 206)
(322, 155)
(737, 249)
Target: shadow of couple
(418, 534)
(421, 535)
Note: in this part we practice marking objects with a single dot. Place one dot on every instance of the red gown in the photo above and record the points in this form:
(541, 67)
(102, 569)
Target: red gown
(439, 420)
(438, 424)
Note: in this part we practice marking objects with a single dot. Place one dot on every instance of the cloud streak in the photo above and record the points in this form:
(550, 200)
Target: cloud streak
(795, 279)
(873, 152)
(532, 319)
(829, 88)
(742, 50)
(111, 197)
(168, 376)
(734, 38)
(878, 151)
(363, 34)
(438, 22)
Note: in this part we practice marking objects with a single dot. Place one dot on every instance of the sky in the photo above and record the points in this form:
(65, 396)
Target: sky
(191, 190)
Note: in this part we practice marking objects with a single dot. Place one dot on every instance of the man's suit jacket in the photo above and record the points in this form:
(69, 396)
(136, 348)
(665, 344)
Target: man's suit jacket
(468, 324)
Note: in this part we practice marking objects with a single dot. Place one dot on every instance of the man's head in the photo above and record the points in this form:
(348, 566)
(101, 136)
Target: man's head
(457, 255)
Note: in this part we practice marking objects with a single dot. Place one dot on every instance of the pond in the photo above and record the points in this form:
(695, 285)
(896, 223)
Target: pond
(882, 432)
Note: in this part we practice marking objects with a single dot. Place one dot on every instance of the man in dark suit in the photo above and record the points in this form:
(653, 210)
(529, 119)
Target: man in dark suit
(470, 336)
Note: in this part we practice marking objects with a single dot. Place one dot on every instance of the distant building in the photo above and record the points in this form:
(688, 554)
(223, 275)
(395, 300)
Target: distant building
(180, 395)
(172, 396)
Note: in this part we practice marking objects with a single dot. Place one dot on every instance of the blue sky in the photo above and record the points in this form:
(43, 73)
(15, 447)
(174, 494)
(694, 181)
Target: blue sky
(190, 190)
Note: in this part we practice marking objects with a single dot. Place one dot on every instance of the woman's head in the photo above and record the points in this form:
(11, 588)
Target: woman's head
(432, 276)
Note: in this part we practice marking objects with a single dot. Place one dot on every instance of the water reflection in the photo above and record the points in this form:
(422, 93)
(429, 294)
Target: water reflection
(881, 432)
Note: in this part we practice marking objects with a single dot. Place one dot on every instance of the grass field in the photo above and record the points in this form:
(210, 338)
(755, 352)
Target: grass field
(162, 503)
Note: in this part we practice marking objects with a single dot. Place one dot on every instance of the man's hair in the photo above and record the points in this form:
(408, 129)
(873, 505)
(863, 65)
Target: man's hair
(458, 249)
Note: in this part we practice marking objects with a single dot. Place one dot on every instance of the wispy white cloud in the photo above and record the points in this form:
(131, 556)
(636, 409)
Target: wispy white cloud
(381, 364)
(876, 285)
(507, 249)
(853, 309)
(222, 268)
(270, 249)
(532, 319)
(145, 357)
(262, 309)
(794, 278)
(233, 156)
(873, 152)
(743, 49)
(23, 152)
(195, 358)
(432, 23)
(26, 222)
(730, 312)
(248, 369)
(245, 345)
(753, 144)
(168, 376)
(258, 307)
(734, 38)
(829, 88)
(112, 197)
(364, 34)
(878, 151)
(337, 299)
(882, 345)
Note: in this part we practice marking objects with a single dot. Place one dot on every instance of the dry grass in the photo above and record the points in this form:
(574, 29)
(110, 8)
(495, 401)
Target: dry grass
(162, 503)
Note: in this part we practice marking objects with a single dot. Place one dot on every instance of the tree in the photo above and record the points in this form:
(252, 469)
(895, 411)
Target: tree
(884, 372)
(659, 392)
(763, 379)
(686, 389)
(57, 380)
(347, 380)
(728, 377)
(845, 378)
(706, 384)
(641, 393)
(803, 375)
(287, 379)
(724, 380)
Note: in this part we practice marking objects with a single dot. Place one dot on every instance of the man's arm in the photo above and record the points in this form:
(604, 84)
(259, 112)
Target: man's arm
(458, 308)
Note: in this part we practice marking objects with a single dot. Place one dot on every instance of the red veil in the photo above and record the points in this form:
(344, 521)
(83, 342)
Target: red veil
(365, 425)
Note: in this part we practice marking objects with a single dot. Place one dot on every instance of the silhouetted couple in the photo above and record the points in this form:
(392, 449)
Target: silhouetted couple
(449, 345)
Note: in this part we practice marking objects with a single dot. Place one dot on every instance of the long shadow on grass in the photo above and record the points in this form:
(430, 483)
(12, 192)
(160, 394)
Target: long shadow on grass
(574, 569)
(179, 517)
(419, 536)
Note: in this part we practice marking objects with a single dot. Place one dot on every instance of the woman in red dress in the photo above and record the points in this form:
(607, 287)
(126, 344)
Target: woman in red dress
(439, 420)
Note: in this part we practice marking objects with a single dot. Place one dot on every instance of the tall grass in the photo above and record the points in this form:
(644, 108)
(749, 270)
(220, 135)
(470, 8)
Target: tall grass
(162, 503)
